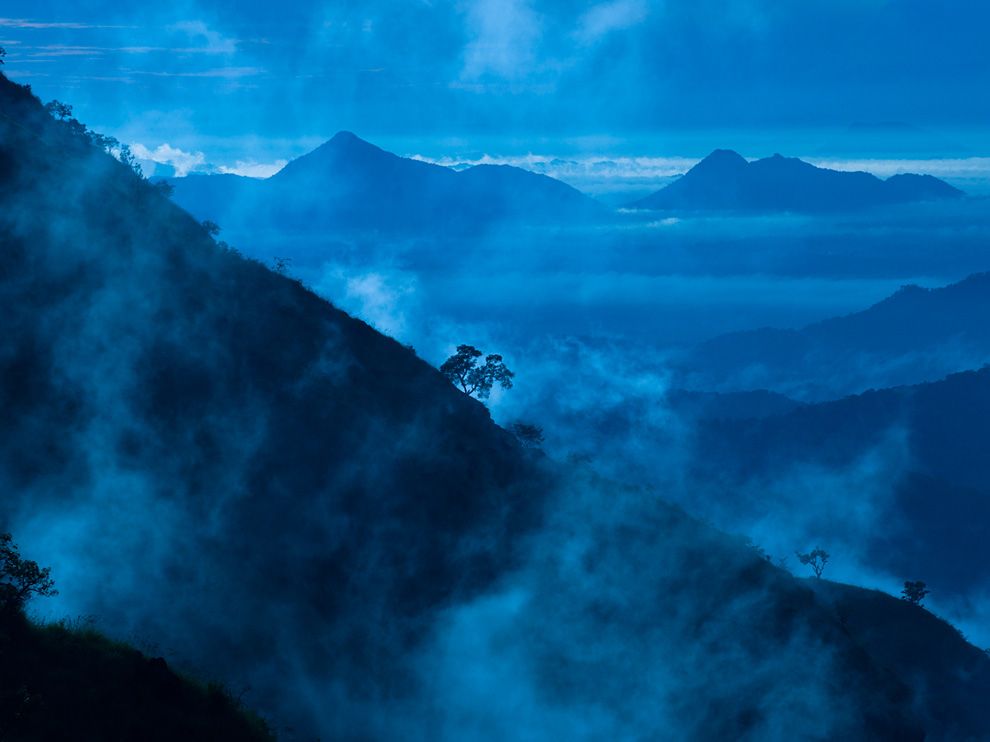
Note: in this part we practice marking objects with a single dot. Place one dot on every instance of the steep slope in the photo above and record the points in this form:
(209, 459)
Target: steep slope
(950, 676)
(213, 455)
(350, 184)
(724, 181)
(62, 682)
(222, 462)
(916, 335)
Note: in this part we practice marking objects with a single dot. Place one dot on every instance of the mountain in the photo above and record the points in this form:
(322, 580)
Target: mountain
(350, 184)
(899, 475)
(725, 181)
(915, 335)
(211, 457)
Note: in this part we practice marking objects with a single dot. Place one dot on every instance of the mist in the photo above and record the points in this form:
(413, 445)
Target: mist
(234, 444)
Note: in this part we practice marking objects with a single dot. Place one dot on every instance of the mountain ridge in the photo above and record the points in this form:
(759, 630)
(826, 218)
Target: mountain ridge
(725, 181)
(349, 184)
(914, 335)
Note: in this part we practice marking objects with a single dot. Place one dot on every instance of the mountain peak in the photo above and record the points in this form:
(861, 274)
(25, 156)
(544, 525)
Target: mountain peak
(344, 151)
(346, 137)
(722, 163)
(724, 157)
(348, 141)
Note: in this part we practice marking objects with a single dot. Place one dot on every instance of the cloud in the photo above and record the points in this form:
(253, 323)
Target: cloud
(252, 169)
(166, 154)
(215, 43)
(962, 167)
(605, 18)
(185, 162)
(42, 25)
(380, 297)
(67, 50)
(564, 168)
(504, 36)
(229, 73)
(62, 50)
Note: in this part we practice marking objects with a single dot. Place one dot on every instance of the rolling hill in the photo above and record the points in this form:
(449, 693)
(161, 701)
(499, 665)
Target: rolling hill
(913, 336)
(726, 181)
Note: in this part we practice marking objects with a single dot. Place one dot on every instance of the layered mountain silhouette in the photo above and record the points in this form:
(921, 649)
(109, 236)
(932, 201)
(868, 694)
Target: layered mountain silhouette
(350, 184)
(218, 460)
(915, 335)
(726, 181)
(923, 447)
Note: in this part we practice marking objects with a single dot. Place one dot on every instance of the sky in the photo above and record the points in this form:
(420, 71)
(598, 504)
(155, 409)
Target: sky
(246, 85)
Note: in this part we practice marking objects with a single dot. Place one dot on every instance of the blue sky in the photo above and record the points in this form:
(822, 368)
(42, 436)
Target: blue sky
(252, 80)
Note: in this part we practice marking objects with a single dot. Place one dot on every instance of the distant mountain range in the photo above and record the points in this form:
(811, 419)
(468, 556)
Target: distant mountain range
(350, 184)
(726, 181)
(913, 336)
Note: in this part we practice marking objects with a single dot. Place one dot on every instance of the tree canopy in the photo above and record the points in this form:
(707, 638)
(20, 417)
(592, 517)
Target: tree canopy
(20, 578)
(817, 558)
(914, 591)
(465, 370)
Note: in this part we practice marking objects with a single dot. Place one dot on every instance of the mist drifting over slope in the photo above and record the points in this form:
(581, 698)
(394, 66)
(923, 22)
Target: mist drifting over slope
(233, 444)
(276, 493)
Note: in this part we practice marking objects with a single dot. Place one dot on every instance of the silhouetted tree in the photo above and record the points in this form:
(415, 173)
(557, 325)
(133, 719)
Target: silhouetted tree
(281, 265)
(164, 187)
(104, 142)
(914, 591)
(474, 378)
(530, 436)
(20, 578)
(3, 53)
(59, 110)
(817, 558)
(114, 147)
(212, 228)
(124, 154)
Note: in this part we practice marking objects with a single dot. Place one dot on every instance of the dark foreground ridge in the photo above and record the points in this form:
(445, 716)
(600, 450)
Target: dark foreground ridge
(62, 682)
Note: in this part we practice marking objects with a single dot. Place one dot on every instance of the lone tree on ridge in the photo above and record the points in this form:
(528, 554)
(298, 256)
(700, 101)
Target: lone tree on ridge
(817, 558)
(465, 370)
